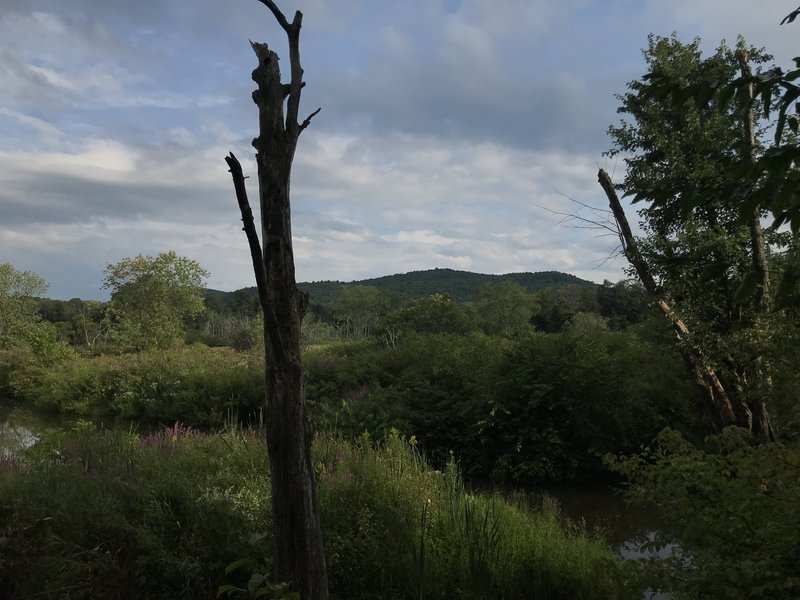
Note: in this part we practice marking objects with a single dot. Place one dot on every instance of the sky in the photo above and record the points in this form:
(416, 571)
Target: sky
(451, 131)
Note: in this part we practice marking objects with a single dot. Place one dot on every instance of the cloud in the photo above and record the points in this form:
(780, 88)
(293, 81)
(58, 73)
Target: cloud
(48, 131)
(450, 129)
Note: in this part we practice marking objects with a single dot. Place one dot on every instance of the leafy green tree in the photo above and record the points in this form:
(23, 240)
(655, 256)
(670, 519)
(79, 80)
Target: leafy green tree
(623, 304)
(586, 322)
(505, 309)
(770, 95)
(25, 339)
(437, 313)
(557, 306)
(19, 305)
(153, 299)
(702, 255)
(359, 309)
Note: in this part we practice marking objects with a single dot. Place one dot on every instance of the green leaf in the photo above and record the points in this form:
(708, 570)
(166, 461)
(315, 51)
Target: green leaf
(766, 100)
(712, 271)
(794, 221)
(746, 288)
(256, 581)
(237, 564)
(229, 589)
(791, 94)
(726, 95)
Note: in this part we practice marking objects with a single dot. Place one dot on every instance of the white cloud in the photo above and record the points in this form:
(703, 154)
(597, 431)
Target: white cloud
(446, 126)
(48, 131)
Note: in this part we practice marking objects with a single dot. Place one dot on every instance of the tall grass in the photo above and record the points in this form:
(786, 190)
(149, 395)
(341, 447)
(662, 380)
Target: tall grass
(116, 515)
(202, 384)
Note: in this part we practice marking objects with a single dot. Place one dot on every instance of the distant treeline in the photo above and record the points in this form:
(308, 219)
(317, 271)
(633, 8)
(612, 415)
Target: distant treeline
(547, 301)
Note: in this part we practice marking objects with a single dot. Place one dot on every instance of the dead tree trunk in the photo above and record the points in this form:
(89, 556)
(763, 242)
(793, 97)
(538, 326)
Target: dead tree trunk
(298, 549)
(705, 376)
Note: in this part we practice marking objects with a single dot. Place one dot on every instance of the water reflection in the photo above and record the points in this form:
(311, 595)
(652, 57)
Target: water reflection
(18, 429)
(629, 529)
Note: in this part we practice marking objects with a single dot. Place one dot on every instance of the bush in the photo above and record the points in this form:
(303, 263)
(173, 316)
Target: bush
(731, 512)
(564, 400)
(113, 515)
(541, 407)
(202, 386)
(435, 385)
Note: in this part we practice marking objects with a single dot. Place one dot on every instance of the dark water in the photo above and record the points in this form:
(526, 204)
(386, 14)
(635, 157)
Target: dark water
(602, 511)
(19, 428)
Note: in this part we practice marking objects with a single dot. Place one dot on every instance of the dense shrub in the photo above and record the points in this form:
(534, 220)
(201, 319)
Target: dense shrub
(202, 386)
(434, 385)
(563, 400)
(539, 407)
(731, 514)
(117, 516)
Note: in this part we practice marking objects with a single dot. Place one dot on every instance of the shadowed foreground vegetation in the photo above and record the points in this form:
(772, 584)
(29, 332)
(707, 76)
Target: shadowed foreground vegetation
(88, 514)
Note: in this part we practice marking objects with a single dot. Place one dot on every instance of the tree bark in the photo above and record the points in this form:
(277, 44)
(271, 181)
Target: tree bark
(762, 426)
(297, 536)
(758, 245)
(705, 376)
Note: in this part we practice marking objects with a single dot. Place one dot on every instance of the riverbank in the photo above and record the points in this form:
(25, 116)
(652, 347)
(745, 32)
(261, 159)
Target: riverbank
(164, 514)
(596, 509)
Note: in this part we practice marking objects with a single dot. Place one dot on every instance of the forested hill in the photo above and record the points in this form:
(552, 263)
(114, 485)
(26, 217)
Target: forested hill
(461, 285)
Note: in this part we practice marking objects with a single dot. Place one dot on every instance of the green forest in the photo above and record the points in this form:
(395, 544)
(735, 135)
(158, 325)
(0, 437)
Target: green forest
(438, 397)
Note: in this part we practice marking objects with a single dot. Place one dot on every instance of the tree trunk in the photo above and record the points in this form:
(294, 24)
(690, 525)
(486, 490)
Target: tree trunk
(758, 247)
(705, 376)
(298, 549)
(762, 426)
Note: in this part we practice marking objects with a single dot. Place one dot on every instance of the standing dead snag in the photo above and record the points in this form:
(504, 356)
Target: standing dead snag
(298, 549)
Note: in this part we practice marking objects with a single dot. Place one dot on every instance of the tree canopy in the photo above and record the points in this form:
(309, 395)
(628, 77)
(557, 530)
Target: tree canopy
(153, 298)
(19, 308)
(710, 260)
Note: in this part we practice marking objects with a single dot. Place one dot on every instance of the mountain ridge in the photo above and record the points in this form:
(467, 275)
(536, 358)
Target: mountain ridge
(461, 285)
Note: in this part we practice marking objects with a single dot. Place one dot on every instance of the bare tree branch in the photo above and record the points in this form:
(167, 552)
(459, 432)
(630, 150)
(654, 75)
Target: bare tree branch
(279, 16)
(249, 228)
(791, 16)
(567, 217)
(307, 122)
(584, 205)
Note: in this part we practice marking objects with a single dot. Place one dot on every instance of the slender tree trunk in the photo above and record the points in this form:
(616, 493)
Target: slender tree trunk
(757, 243)
(298, 548)
(762, 380)
(705, 376)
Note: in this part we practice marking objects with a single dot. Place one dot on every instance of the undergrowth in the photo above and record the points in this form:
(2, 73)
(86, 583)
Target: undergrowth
(111, 514)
